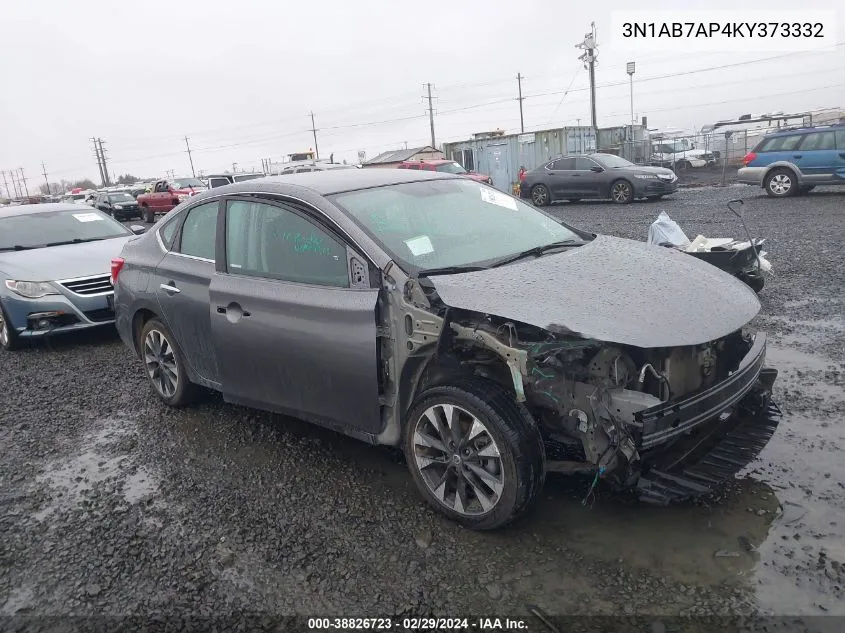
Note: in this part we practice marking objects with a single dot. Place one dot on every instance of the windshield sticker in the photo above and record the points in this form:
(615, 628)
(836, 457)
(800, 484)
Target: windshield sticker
(420, 245)
(88, 217)
(495, 197)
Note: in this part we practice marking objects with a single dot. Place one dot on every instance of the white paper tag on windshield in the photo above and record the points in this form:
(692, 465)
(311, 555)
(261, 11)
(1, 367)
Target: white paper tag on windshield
(88, 217)
(495, 197)
(420, 245)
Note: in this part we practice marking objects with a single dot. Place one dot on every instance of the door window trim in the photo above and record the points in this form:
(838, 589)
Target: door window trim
(308, 212)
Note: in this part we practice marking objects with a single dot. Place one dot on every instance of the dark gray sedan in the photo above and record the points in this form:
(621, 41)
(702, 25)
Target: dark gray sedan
(489, 340)
(596, 176)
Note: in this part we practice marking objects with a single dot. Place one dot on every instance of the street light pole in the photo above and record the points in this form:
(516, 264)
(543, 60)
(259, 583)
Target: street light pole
(631, 67)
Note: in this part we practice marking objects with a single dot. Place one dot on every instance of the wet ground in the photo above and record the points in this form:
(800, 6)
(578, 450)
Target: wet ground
(112, 504)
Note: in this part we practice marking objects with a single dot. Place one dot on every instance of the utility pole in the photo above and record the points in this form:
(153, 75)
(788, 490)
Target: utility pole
(631, 67)
(193, 173)
(5, 185)
(521, 98)
(23, 180)
(430, 114)
(234, 168)
(99, 160)
(106, 180)
(589, 58)
(314, 132)
(46, 182)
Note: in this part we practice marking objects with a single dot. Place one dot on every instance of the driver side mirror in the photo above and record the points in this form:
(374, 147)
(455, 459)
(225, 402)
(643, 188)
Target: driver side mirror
(138, 229)
(596, 169)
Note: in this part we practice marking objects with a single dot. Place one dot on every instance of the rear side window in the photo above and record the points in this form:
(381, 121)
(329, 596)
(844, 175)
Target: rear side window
(168, 232)
(199, 231)
(819, 141)
(275, 242)
(780, 143)
(563, 163)
(217, 182)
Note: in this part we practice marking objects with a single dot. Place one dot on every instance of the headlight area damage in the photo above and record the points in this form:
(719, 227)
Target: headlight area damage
(669, 422)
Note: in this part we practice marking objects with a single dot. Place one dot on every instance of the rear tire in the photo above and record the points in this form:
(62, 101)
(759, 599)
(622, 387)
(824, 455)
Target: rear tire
(165, 366)
(682, 165)
(490, 434)
(540, 195)
(149, 215)
(9, 339)
(781, 183)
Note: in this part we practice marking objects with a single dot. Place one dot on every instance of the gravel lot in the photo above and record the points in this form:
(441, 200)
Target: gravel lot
(112, 504)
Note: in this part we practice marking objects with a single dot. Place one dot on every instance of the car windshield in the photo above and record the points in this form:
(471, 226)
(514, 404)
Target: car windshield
(35, 230)
(455, 222)
(187, 183)
(120, 197)
(451, 168)
(613, 162)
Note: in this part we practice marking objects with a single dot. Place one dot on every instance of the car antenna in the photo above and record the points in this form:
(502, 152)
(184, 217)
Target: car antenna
(747, 233)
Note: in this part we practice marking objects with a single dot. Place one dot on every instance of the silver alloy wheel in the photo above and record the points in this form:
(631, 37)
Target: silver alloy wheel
(458, 459)
(161, 363)
(539, 195)
(4, 331)
(780, 184)
(621, 192)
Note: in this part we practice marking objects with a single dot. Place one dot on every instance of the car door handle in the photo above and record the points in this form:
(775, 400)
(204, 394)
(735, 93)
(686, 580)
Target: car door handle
(170, 289)
(798, 156)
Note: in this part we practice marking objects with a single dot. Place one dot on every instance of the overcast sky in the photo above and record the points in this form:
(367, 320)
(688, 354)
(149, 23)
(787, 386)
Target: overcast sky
(239, 78)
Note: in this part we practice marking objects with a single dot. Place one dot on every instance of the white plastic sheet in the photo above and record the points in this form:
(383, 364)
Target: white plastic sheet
(664, 230)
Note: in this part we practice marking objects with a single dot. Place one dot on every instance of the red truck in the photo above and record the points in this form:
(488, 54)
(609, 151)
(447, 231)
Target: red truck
(166, 194)
(446, 166)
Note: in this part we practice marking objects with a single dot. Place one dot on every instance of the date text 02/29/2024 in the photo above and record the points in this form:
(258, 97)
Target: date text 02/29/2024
(414, 624)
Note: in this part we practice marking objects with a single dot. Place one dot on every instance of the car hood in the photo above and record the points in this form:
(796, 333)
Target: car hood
(476, 176)
(646, 169)
(62, 262)
(613, 290)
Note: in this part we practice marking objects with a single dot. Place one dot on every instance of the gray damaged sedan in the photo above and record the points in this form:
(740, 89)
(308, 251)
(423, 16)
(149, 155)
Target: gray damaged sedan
(492, 342)
(54, 270)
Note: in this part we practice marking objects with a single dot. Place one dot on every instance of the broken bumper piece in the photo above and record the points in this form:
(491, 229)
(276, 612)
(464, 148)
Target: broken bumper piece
(692, 446)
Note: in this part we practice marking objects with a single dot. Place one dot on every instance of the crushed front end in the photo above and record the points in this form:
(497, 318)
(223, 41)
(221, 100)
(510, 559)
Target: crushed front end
(672, 423)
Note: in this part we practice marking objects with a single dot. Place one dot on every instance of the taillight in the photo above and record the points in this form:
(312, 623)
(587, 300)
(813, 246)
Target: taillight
(750, 156)
(116, 266)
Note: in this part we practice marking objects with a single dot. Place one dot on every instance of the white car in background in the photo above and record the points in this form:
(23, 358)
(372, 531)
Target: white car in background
(680, 154)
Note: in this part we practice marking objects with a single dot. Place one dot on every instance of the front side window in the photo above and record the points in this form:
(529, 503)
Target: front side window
(276, 242)
(611, 161)
(818, 141)
(51, 228)
(840, 139)
(199, 231)
(584, 164)
(455, 222)
(217, 182)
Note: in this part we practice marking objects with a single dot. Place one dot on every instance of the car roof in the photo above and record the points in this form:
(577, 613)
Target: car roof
(31, 209)
(329, 181)
(803, 130)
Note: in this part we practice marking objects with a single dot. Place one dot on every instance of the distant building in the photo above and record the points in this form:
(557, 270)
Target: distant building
(395, 157)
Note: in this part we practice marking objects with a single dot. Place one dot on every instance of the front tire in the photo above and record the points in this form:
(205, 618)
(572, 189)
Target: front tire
(621, 192)
(474, 453)
(781, 183)
(683, 165)
(149, 215)
(164, 364)
(540, 195)
(9, 339)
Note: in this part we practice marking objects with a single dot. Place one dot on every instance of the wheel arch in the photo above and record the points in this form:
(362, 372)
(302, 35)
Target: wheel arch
(782, 164)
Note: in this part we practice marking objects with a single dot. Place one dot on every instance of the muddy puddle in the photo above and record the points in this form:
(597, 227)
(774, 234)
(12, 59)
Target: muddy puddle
(104, 454)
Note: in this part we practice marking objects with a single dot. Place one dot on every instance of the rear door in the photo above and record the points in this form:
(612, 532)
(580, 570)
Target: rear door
(839, 173)
(182, 287)
(294, 317)
(560, 177)
(817, 157)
